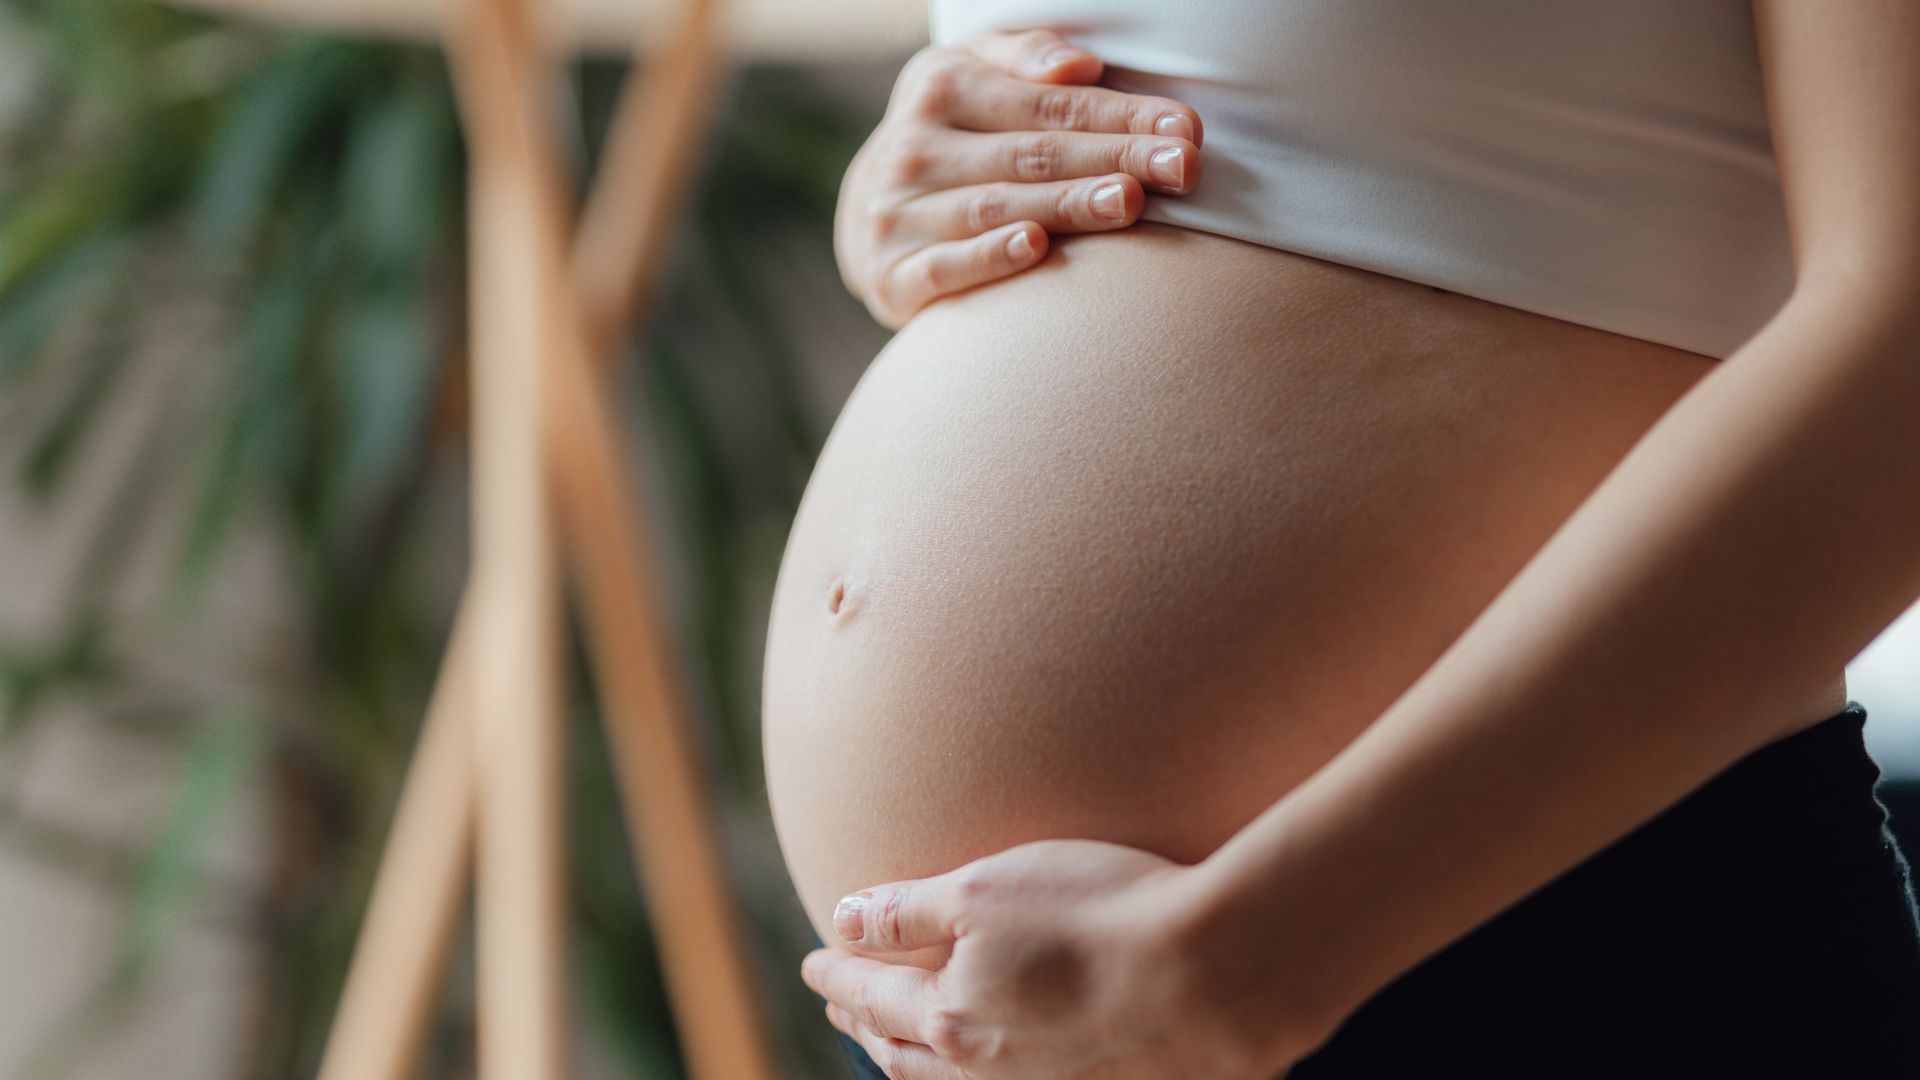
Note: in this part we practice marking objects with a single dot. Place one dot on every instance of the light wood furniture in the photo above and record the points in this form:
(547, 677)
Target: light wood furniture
(780, 30)
(551, 491)
(488, 776)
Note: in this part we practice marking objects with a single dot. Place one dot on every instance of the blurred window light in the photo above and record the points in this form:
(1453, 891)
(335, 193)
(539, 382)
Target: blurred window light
(1885, 677)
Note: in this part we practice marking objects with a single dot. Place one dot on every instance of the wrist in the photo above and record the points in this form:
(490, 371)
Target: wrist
(1275, 997)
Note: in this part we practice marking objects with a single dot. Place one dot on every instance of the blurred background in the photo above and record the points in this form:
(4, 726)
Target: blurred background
(233, 522)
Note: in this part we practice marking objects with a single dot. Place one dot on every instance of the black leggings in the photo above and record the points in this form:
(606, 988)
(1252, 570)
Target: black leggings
(1764, 926)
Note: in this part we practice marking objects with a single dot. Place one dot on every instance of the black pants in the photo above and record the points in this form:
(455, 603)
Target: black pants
(1763, 927)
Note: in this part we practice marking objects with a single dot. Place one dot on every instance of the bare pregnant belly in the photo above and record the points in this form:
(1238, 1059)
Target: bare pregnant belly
(1131, 545)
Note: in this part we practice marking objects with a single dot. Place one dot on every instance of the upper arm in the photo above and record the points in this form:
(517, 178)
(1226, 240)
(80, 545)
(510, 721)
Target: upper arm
(1843, 92)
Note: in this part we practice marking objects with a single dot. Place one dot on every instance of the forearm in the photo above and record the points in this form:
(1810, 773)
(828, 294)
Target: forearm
(1746, 548)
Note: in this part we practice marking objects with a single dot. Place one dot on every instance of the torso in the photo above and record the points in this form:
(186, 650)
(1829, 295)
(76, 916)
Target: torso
(1127, 547)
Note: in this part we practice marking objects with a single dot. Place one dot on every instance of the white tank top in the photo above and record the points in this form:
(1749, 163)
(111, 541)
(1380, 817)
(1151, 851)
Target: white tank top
(1606, 162)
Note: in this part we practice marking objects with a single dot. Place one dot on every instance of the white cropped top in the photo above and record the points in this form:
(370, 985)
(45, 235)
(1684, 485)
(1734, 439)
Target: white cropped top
(1606, 162)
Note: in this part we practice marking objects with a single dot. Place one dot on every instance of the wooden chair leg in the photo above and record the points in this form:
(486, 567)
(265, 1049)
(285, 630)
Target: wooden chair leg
(696, 922)
(518, 317)
(651, 152)
(522, 212)
(417, 898)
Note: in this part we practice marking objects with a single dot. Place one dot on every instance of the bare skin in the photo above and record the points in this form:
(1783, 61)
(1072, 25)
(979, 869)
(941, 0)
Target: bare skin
(1704, 578)
(1127, 550)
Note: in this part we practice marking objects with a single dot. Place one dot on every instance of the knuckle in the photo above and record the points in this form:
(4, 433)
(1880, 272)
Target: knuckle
(932, 96)
(928, 87)
(917, 64)
(865, 1010)
(928, 278)
(984, 209)
(883, 221)
(1074, 204)
(975, 887)
(908, 159)
(951, 1035)
(1037, 42)
(887, 918)
(1063, 108)
(1037, 157)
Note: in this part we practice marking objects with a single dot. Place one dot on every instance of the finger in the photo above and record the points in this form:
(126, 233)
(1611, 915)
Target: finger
(939, 269)
(902, 1060)
(986, 100)
(838, 1017)
(1063, 206)
(892, 999)
(1040, 55)
(903, 916)
(961, 157)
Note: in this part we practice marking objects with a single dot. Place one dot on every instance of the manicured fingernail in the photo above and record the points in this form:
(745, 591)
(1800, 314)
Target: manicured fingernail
(1169, 167)
(849, 916)
(1110, 202)
(1174, 126)
(1020, 249)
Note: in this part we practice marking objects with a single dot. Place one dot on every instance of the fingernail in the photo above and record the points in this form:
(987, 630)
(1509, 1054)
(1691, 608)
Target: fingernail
(1169, 167)
(1174, 126)
(1060, 56)
(1020, 248)
(849, 916)
(1110, 202)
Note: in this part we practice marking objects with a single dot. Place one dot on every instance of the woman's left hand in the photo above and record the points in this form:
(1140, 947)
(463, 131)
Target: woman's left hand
(1070, 958)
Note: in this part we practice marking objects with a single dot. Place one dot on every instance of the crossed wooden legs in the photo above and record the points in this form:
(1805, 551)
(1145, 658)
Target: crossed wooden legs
(484, 787)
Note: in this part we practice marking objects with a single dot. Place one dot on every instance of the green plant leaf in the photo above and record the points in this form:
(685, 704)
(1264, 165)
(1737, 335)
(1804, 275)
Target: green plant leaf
(64, 283)
(78, 661)
(215, 765)
(53, 216)
(383, 371)
(107, 353)
(397, 170)
(262, 133)
(260, 432)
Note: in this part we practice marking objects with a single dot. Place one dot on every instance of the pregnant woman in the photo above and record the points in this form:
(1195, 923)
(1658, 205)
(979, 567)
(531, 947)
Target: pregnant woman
(1383, 613)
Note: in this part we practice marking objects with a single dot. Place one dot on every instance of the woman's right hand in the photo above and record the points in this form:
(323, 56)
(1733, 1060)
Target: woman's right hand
(986, 148)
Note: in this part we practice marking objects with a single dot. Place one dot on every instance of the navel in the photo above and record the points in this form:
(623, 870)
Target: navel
(846, 592)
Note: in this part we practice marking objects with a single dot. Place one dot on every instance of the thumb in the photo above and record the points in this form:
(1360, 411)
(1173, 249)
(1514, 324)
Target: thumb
(902, 916)
(1037, 55)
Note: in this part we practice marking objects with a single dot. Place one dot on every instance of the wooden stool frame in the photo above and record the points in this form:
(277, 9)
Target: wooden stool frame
(484, 791)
